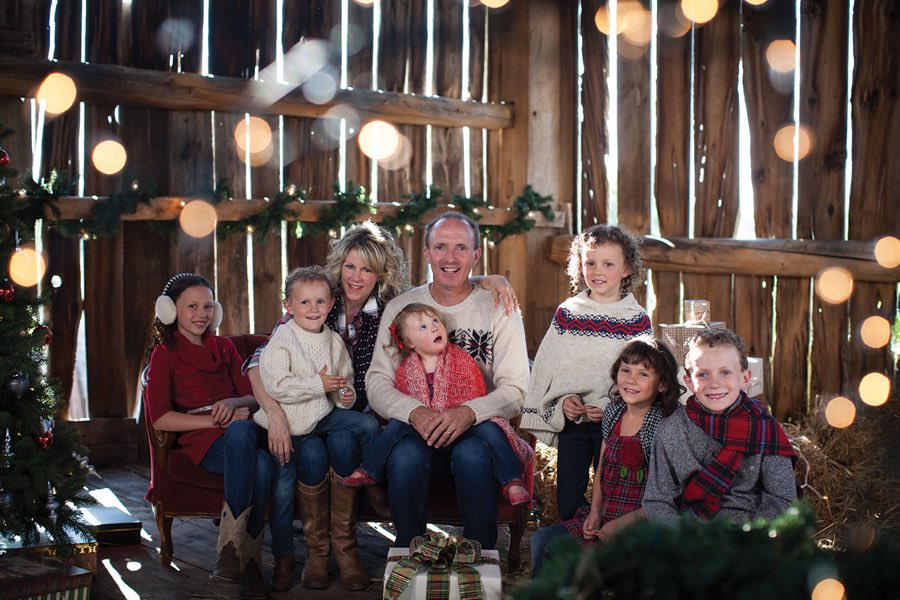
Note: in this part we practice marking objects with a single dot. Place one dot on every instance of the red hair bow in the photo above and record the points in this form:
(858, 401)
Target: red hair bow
(395, 337)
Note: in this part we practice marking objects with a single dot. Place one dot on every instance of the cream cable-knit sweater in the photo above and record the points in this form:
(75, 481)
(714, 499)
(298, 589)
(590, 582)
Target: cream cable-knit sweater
(494, 340)
(289, 367)
(575, 357)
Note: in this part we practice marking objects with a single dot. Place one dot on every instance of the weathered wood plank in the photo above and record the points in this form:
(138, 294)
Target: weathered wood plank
(787, 258)
(875, 182)
(634, 138)
(112, 84)
(789, 354)
(477, 36)
(446, 143)
(595, 143)
(821, 175)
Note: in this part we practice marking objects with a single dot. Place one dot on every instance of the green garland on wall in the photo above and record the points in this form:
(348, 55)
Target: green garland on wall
(348, 208)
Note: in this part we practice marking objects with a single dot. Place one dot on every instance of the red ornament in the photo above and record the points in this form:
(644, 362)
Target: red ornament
(45, 440)
(7, 291)
(48, 334)
(4, 157)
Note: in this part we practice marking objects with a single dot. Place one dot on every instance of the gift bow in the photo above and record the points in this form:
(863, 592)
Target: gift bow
(440, 554)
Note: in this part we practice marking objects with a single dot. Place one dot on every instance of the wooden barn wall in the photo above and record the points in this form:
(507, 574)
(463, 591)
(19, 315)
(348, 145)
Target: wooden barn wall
(803, 340)
(188, 153)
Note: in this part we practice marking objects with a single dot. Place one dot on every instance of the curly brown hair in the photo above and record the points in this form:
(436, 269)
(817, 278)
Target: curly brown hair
(162, 334)
(592, 237)
(653, 354)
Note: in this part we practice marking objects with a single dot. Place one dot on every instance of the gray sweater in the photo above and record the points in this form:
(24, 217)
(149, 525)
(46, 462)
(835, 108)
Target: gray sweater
(764, 485)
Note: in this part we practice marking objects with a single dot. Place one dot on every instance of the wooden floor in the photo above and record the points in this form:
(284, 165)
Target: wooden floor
(134, 571)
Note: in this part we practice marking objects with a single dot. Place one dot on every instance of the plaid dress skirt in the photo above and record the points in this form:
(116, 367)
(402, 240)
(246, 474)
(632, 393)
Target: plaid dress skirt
(623, 477)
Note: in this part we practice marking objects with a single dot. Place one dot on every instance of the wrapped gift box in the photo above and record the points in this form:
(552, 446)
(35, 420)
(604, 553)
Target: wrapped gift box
(491, 579)
(111, 526)
(83, 554)
(36, 577)
(675, 337)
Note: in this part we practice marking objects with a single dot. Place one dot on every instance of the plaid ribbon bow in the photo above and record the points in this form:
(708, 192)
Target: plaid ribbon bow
(440, 554)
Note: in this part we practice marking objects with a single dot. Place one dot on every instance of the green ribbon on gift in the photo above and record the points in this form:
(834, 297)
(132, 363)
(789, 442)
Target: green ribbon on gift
(441, 555)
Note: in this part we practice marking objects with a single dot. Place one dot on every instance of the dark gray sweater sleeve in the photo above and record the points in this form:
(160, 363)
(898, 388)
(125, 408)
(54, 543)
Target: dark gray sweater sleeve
(779, 488)
(663, 487)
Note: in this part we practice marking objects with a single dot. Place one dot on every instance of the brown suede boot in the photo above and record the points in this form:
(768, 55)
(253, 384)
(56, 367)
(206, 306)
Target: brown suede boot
(283, 573)
(343, 535)
(231, 534)
(313, 504)
(250, 556)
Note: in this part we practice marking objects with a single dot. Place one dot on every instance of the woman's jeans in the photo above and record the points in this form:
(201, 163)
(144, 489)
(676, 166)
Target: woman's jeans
(346, 433)
(240, 455)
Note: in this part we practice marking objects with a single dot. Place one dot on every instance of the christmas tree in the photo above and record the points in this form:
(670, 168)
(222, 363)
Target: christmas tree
(42, 467)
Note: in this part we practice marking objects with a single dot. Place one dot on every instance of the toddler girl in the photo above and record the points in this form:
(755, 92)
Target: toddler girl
(646, 389)
(195, 387)
(565, 398)
(442, 376)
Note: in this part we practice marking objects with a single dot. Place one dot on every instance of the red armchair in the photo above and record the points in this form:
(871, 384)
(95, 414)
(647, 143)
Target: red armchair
(180, 488)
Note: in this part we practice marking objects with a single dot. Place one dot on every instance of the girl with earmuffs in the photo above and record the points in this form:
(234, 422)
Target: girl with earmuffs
(195, 387)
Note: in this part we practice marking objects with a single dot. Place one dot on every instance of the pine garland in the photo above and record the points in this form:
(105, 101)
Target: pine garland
(267, 221)
(344, 212)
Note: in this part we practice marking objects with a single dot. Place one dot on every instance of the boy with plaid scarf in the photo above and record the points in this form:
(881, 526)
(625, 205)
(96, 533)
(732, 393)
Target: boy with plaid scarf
(722, 454)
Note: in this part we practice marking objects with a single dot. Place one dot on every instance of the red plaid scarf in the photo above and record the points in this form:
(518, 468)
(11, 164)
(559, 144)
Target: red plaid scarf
(747, 429)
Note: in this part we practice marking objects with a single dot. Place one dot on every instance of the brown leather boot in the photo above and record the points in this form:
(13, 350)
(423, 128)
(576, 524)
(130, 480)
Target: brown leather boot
(343, 535)
(250, 556)
(283, 573)
(313, 504)
(231, 534)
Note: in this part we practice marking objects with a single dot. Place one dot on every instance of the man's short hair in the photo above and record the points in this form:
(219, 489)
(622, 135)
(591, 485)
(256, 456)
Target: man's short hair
(712, 337)
(306, 275)
(476, 233)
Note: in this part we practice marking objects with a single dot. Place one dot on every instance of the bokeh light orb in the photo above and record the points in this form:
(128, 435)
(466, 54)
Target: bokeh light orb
(378, 139)
(26, 267)
(874, 389)
(109, 157)
(699, 11)
(887, 252)
(875, 332)
(840, 412)
(781, 56)
(784, 143)
(400, 158)
(56, 282)
(671, 21)
(252, 134)
(58, 93)
(495, 3)
(638, 26)
(834, 285)
(198, 218)
(828, 589)
(364, 2)
(756, 2)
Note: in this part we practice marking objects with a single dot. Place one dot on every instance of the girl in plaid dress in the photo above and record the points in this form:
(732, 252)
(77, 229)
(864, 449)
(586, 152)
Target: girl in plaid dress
(646, 390)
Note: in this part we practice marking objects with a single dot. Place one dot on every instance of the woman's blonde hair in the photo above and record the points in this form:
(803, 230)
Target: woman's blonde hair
(382, 254)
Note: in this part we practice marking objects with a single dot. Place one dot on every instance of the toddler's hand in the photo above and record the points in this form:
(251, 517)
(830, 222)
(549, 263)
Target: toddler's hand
(573, 407)
(331, 383)
(594, 413)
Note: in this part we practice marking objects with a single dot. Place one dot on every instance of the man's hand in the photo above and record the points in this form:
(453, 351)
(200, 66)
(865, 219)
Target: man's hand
(279, 436)
(423, 419)
(449, 425)
(573, 407)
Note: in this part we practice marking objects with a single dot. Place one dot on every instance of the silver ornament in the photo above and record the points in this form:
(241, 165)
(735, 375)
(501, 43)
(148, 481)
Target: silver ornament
(17, 385)
(6, 499)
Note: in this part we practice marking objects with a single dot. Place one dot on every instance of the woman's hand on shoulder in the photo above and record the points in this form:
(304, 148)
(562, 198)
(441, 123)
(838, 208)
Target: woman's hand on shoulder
(501, 290)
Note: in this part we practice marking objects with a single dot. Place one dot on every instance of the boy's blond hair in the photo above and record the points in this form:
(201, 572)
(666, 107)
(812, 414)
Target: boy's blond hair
(712, 337)
(306, 275)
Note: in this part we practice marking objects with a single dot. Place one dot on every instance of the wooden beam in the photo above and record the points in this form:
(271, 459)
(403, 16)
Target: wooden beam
(112, 84)
(167, 208)
(785, 258)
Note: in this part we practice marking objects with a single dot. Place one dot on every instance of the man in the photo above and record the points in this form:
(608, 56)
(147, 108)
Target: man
(442, 444)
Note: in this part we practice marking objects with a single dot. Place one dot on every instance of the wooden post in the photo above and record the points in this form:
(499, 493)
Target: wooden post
(821, 175)
(594, 140)
(447, 143)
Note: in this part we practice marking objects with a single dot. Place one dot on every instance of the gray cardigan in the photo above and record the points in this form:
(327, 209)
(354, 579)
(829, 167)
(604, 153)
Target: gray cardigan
(764, 485)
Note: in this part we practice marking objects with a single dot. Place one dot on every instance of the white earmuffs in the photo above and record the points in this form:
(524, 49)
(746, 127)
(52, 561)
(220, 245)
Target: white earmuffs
(167, 313)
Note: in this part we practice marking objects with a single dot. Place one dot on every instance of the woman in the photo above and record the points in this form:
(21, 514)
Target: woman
(370, 270)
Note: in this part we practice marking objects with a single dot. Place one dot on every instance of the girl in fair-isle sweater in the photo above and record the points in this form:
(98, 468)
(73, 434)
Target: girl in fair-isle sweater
(570, 382)
(441, 376)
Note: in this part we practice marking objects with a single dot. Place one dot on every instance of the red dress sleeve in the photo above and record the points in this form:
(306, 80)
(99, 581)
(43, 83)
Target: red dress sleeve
(159, 384)
(241, 382)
